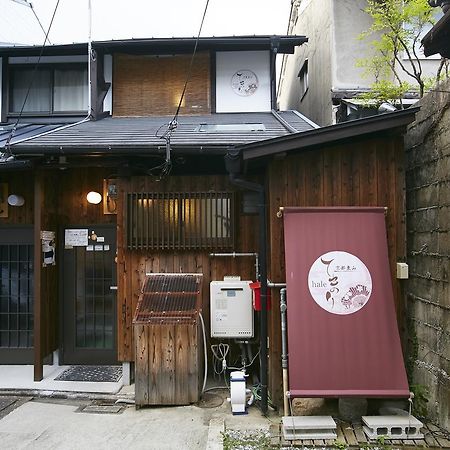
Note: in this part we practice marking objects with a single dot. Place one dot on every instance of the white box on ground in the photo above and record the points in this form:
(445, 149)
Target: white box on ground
(392, 427)
(308, 427)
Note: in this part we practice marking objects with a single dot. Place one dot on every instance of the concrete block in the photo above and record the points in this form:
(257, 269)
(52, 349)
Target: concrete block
(393, 427)
(308, 427)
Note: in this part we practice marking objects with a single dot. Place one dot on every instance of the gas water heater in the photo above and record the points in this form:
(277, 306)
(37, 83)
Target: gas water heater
(231, 308)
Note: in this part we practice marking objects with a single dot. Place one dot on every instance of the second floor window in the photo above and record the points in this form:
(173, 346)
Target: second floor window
(303, 77)
(53, 90)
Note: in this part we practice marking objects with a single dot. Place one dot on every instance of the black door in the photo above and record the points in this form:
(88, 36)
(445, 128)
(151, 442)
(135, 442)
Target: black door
(16, 295)
(89, 298)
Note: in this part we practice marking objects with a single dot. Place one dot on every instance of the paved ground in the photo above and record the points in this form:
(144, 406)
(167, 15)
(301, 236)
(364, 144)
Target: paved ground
(64, 424)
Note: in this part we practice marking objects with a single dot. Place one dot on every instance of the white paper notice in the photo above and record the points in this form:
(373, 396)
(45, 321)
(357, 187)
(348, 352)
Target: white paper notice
(76, 237)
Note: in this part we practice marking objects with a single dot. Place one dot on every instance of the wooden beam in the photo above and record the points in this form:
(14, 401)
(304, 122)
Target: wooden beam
(38, 363)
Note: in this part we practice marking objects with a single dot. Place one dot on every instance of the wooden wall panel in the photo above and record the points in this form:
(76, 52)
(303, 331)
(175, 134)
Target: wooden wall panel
(133, 265)
(152, 85)
(365, 173)
(73, 208)
(20, 183)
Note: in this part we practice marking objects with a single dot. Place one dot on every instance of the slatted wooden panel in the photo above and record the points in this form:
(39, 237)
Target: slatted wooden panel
(133, 265)
(152, 85)
(369, 172)
(168, 363)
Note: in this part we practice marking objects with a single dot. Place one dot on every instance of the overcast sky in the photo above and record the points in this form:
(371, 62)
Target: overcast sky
(122, 19)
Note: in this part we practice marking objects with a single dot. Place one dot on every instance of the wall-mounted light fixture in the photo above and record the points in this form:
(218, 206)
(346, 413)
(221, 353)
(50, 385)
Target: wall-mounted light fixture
(15, 200)
(94, 197)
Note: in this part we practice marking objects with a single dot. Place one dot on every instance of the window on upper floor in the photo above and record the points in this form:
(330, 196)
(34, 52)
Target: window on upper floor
(54, 90)
(303, 77)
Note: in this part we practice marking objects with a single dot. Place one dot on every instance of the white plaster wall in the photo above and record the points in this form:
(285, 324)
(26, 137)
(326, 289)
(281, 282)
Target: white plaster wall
(227, 64)
(350, 21)
(107, 73)
(314, 20)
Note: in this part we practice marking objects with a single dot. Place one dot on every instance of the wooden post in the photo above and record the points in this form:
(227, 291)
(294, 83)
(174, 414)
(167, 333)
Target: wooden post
(38, 365)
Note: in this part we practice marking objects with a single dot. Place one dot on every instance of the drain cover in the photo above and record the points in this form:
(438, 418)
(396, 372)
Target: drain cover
(6, 401)
(101, 409)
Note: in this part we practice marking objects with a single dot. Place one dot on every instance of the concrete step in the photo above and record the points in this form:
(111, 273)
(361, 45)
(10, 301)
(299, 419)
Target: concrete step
(308, 427)
(393, 427)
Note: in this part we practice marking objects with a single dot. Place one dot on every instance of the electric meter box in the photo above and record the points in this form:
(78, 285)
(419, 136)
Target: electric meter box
(231, 309)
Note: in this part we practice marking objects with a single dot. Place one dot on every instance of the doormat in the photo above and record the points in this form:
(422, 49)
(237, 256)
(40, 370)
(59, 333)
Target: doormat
(96, 374)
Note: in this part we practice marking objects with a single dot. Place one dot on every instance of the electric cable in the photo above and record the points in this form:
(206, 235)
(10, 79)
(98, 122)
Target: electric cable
(166, 166)
(14, 128)
(247, 365)
(39, 22)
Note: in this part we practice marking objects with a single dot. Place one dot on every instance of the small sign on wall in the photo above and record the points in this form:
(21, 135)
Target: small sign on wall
(48, 248)
(4, 200)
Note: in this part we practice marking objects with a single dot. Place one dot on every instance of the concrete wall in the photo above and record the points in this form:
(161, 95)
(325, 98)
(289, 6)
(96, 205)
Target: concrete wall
(333, 28)
(428, 224)
(316, 24)
(350, 21)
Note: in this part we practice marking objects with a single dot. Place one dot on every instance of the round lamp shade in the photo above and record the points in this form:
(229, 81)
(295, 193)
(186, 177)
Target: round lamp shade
(15, 200)
(94, 197)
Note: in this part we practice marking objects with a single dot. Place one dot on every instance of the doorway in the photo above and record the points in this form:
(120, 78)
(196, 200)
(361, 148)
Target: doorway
(16, 295)
(89, 297)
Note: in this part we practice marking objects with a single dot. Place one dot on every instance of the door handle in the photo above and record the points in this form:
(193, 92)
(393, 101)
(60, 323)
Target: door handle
(113, 288)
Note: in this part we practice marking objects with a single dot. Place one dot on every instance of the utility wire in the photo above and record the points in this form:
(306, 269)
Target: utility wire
(166, 166)
(14, 128)
(39, 22)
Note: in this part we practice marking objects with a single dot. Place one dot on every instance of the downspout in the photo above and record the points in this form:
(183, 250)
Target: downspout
(284, 350)
(233, 166)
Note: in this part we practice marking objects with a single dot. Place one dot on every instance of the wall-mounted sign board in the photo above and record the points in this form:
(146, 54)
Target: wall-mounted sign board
(343, 337)
(3, 200)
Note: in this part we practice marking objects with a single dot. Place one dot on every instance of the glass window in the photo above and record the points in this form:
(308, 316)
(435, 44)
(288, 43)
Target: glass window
(51, 90)
(70, 90)
(180, 220)
(39, 96)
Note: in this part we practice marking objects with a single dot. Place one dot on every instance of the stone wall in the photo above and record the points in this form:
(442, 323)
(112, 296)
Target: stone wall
(428, 224)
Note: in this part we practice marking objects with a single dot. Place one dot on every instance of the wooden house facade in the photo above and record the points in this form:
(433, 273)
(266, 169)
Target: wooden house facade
(72, 270)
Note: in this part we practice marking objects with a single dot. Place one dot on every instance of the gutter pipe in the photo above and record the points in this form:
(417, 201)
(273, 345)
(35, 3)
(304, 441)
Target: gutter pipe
(284, 352)
(233, 166)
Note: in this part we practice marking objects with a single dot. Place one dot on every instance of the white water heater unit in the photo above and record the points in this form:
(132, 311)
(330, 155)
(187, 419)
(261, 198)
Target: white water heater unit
(231, 308)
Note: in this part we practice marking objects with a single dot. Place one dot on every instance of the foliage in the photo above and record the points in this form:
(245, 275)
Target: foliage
(340, 445)
(248, 440)
(421, 399)
(398, 26)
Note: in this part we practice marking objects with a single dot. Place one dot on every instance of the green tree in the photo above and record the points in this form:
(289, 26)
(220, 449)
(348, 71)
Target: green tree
(398, 26)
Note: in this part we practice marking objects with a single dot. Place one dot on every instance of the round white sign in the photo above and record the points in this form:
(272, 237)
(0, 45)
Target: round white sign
(339, 282)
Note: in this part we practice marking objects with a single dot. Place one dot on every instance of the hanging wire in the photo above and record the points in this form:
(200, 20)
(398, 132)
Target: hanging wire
(40, 23)
(165, 168)
(8, 155)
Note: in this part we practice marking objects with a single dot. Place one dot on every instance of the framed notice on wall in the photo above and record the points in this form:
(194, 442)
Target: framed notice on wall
(3, 199)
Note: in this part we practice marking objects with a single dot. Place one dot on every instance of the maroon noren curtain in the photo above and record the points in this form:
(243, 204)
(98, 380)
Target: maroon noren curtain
(343, 337)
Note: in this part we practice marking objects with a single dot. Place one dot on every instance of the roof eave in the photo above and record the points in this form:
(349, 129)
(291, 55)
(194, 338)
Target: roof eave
(330, 134)
(283, 44)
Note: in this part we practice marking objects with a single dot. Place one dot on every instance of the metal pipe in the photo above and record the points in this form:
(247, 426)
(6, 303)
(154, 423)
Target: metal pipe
(249, 185)
(284, 351)
(275, 285)
(234, 254)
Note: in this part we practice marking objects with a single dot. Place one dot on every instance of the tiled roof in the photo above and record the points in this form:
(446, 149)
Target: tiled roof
(129, 134)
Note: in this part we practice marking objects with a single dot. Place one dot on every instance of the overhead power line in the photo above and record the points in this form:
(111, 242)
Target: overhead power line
(166, 166)
(14, 128)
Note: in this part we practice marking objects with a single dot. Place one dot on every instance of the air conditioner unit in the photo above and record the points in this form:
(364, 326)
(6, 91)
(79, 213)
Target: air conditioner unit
(231, 309)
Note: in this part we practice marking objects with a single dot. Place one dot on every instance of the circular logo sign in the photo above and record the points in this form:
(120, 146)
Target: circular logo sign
(339, 282)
